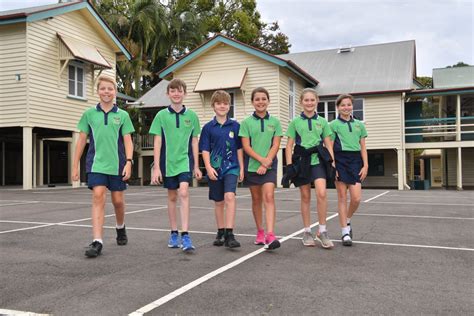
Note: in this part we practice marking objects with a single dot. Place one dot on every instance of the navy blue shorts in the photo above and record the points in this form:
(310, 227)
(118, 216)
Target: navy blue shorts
(317, 171)
(113, 183)
(172, 183)
(218, 188)
(253, 178)
(348, 166)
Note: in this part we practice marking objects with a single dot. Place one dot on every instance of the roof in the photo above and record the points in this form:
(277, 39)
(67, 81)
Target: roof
(32, 14)
(81, 51)
(218, 80)
(455, 77)
(123, 96)
(219, 38)
(155, 97)
(362, 69)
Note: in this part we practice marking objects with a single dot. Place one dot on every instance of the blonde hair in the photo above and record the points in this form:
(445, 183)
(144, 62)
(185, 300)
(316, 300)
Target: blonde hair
(308, 90)
(176, 83)
(220, 96)
(106, 79)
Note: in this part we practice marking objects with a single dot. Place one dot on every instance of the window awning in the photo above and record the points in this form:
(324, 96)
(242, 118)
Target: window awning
(217, 80)
(70, 48)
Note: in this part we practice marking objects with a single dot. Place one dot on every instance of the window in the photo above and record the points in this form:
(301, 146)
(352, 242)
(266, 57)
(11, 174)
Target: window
(327, 109)
(291, 99)
(376, 165)
(77, 84)
(232, 105)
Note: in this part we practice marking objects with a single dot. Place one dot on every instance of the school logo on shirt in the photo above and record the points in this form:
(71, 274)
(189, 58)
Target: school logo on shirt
(271, 127)
(187, 122)
(231, 134)
(117, 120)
(357, 127)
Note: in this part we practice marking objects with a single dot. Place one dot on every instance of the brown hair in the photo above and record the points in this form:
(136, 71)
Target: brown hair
(106, 79)
(176, 84)
(308, 90)
(257, 90)
(220, 96)
(342, 97)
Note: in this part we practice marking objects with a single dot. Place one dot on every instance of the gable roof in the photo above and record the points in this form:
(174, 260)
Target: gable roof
(155, 97)
(454, 77)
(367, 69)
(32, 14)
(219, 38)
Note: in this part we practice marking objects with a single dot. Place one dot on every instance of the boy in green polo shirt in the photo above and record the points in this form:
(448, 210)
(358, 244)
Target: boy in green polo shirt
(351, 162)
(176, 156)
(109, 160)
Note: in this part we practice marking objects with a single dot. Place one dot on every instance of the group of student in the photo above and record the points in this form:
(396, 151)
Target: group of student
(316, 151)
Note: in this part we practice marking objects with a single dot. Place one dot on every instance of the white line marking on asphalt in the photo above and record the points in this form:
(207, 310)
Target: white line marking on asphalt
(408, 245)
(373, 198)
(193, 284)
(420, 203)
(14, 312)
(415, 216)
(19, 203)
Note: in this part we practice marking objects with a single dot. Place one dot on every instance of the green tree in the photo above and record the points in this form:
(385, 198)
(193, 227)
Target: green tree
(426, 81)
(459, 64)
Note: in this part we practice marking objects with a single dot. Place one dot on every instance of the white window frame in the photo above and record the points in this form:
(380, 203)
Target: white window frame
(325, 114)
(76, 66)
(232, 104)
(291, 98)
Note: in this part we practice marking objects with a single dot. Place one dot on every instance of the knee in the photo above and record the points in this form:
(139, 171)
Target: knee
(118, 204)
(99, 198)
(268, 197)
(355, 199)
(229, 197)
(321, 194)
(305, 197)
(173, 197)
(183, 194)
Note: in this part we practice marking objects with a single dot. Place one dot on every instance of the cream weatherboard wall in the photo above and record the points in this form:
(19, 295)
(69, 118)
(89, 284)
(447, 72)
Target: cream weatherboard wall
(49, 105)
(13, 90)
(222, 56)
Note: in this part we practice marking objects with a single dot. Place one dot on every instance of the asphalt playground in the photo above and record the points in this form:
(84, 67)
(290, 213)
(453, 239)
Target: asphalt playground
(413, 253)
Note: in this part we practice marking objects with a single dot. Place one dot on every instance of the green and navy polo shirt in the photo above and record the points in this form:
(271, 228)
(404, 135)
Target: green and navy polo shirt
(261, 132)
(177, 130)
(106, 152)
(309, 132)
(347, 134)
(222, 141)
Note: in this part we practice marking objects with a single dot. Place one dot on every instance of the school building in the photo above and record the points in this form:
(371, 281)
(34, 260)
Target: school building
(418, 138)
(50, 58)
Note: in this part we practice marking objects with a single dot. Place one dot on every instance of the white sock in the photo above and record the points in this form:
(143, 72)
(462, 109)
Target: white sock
(99, 240)
(322, 228)
(307, 229)
(348, 221)
(120, 226)
(346, 230)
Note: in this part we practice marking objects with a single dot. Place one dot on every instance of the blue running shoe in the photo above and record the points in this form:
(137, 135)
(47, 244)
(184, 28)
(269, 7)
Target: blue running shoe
(173, 242)
(187, 244)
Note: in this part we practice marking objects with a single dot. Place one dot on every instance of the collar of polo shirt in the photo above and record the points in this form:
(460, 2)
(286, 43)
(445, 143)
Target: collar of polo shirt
(266, 117)
(314, 117)
(343, 120)
(99, 108)
(183, 110)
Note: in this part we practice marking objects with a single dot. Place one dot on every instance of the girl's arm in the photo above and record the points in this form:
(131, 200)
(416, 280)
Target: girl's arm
(249, 151)
(289, 150)
(274, 150)
(365, 168)
(329, 145)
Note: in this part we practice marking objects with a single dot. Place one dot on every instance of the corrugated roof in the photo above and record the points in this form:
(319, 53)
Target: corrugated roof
(30, 10)
(155, 97)
(454, 77)
(364, 69)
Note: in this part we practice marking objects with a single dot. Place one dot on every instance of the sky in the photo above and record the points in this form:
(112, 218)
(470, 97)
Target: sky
(442, 29)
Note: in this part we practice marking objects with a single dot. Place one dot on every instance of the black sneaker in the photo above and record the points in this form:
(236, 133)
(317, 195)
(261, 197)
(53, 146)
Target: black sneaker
(346, 240)
(230, 241)
(219, 241)
(94, 249)
(121, 236)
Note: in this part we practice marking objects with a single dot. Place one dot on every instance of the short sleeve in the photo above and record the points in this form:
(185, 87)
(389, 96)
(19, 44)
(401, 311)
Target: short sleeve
(363, 131)
(236, 133)
(83, 124)
(332, 126)
(204, 140)
(197, 126)
(278, 129)
(156, 125)
(327, 130)
(291, 132)
(244, 130)
(127, 126)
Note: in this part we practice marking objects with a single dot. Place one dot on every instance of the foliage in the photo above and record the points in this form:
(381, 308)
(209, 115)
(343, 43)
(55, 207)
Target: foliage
(426, 81)
(459, 64)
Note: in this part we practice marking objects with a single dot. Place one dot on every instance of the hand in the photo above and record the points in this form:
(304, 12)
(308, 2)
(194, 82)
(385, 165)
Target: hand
(261, 170)
(157, 178)
(127, 171)
(74, 174)
(212, 173)
(363, 173)
(197, 173)
(266, 162)
(241, 175)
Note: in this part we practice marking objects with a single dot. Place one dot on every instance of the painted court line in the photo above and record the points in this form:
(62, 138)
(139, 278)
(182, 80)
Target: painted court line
(421, 203)
(416, 216)
(19, 203)
(22, 313)
(410, 245)
(373, 198)
(193, 284)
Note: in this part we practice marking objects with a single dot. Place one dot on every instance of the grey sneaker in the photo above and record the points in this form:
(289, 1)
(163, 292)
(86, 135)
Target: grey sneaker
(346, 240)
(323, 238)
(308, 239)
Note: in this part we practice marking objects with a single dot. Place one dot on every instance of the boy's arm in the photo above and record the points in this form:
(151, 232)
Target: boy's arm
(211, 172)
(195, 148)
(240, 157)
(127, 170)
(157, 176)
(365, 159)
(81, 144)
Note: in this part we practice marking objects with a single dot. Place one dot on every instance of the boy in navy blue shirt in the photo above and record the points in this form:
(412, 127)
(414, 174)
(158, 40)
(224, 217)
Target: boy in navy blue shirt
(223, 157)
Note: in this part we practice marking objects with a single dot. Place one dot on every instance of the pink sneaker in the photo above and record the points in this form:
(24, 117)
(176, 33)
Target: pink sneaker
(271, 242)
(260, 239)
